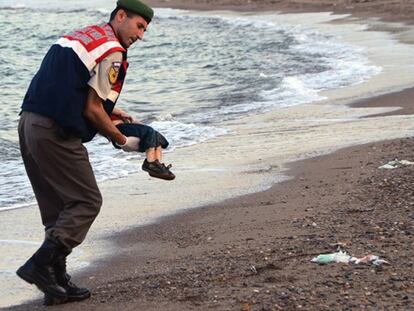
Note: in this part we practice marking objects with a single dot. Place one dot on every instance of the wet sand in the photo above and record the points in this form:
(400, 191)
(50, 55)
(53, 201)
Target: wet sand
(405, 103)
(202, 259)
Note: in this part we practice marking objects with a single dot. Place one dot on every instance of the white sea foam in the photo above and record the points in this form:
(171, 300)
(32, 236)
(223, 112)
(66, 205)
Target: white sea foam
(348, 64)
(16, 6)
(292, 91)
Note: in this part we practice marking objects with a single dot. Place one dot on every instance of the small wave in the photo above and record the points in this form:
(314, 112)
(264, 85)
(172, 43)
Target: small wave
(157, 46)
(65, 11)
(102, 11)
(14, 7)
(22, 242)
(292, 91)
(295, 85)
(167, 13)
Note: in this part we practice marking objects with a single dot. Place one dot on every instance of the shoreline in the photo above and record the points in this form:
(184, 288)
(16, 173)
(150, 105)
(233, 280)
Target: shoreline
(405, 105)
(388, 12)
(201, 259)
(150, 235)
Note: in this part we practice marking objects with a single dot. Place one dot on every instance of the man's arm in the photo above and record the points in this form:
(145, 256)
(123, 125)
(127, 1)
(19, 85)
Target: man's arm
(96, 114)
(100, 87)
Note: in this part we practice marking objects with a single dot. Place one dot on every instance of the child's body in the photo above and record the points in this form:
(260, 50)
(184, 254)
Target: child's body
(151, 142)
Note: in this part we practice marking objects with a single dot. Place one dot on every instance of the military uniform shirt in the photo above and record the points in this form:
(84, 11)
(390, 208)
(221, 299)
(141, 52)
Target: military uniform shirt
(105, 74)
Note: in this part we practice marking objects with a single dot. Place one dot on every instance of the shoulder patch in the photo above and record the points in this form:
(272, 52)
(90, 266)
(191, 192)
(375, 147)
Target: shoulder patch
(114, 71)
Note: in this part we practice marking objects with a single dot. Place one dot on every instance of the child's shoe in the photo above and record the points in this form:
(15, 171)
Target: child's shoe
(158, 170)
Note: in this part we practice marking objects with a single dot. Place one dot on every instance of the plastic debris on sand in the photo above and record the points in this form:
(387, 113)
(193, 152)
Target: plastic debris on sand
(339, 256)
(343, 257)
(395, 164)
(375, 260)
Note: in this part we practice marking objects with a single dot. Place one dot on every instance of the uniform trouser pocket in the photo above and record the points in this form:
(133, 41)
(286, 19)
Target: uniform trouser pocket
(41, 121)
(61, 177)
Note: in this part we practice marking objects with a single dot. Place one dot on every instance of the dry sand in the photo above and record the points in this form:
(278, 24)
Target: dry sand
(202, 259)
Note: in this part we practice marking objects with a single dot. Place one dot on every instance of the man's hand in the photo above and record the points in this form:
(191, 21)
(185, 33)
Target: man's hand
(131, 144)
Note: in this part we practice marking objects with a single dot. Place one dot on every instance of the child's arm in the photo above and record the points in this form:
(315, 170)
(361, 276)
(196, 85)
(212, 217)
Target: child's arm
(126, 117)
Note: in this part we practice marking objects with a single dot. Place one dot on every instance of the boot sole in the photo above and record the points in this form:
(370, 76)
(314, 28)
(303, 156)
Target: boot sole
(160, 176)
(50, 300)
(43, 287)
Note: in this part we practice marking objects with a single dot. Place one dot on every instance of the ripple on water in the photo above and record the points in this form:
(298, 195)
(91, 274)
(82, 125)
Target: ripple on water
(201, 70)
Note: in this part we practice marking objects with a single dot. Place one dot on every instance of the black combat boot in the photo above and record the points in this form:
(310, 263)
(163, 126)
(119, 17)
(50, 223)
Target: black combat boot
(74, 293)
(39, 270)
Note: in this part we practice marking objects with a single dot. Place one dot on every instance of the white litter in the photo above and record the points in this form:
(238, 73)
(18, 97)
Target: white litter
(343, 257)
(375, 260)
(339, 256)
(396, 163)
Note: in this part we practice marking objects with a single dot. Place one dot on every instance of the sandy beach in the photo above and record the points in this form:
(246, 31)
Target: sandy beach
(253, 252)
(202, 259)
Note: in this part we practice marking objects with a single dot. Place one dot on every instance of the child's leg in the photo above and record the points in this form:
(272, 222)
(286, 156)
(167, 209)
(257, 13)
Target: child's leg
(158, 153)
(151, 143)
(156, 168)
(151, 154)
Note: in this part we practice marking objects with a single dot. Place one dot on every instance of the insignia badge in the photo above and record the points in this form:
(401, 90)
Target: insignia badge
(113, 72)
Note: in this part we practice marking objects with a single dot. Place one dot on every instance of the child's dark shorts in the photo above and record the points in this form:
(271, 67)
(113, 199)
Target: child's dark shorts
(149, 138)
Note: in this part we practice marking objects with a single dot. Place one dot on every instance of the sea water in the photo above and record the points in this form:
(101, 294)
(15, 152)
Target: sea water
(190, 73)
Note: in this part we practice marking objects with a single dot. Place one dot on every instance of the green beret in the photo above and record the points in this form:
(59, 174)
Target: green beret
(137, 7)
